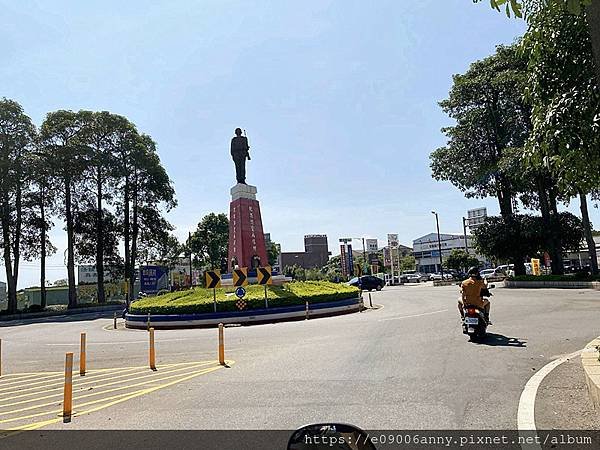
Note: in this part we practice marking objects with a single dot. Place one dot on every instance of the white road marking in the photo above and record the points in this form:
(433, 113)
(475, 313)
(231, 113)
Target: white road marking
(526, 411)
(414, 315)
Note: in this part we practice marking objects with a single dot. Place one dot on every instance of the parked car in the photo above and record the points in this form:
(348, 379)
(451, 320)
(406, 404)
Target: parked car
(506, 269)
(424, 276)
(410, 277)
(457, 274)
(438, 276)
(491, 273)
(367, 283)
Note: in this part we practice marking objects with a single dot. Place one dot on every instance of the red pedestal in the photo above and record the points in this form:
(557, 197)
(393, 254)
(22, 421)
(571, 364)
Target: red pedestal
(246, 237)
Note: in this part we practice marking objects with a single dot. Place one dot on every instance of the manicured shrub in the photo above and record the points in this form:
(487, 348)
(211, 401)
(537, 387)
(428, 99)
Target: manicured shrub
(576, 277)
(200, 300)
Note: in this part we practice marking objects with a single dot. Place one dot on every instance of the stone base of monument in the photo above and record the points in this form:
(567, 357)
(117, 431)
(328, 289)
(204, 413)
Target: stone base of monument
(247, 247)
(278, 280)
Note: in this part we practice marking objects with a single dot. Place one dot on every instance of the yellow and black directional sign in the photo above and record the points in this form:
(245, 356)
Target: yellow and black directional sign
(240, 276)
(264, 275)
(213, 279)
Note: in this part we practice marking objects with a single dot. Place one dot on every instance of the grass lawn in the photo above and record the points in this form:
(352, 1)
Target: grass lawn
(200, 300)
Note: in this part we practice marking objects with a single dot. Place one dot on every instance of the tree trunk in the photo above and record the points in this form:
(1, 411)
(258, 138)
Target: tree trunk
(519, 265)
(587, 228)
(558, 267)
(547, 206)
(10, 282)
(593, 20)
(100, 240)
(16, 253)
(126, 231)
(505, 202)
(70, 249)
(134, 230)
(42, 251)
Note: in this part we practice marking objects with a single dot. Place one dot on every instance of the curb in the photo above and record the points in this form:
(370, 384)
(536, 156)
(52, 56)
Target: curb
(552, 284)
(591, 367)
(67, 312)
(250, 317)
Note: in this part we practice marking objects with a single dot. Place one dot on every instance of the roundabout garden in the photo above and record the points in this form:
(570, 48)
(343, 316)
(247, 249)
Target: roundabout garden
(201, 307)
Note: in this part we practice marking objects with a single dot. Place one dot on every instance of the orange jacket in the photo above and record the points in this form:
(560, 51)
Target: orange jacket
(471, 292)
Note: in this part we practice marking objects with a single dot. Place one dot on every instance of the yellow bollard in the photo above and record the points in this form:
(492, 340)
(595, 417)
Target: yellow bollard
(221, 346)
(82, 355)
(68, 389)
(152, 353)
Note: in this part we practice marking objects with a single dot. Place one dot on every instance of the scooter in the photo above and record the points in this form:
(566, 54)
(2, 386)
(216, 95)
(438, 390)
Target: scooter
(474, 322)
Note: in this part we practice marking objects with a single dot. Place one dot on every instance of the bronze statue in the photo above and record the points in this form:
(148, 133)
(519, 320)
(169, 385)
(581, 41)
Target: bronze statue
(239, 153)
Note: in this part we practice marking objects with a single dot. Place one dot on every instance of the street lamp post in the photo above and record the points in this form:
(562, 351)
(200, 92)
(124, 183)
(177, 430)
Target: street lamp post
(465, 233)
(437, 224)
(365, 258)
(190, 261)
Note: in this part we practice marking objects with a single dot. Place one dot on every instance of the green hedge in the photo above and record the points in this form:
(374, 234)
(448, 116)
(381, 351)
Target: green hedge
(200, 300)
(574, 277)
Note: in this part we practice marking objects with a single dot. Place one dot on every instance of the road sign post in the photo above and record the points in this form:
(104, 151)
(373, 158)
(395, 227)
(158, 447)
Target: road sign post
(213, 281)
(264, 278)
(240, 276)
(240, 292)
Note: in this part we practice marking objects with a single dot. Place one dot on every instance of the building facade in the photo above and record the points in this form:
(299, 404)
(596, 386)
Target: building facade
(3, 295)
(315, 254)
(427, 254)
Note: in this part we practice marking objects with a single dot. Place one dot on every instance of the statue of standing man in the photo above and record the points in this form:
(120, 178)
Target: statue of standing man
(239, 153)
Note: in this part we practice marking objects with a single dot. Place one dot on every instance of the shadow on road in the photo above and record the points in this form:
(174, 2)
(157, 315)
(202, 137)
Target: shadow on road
(500, 340)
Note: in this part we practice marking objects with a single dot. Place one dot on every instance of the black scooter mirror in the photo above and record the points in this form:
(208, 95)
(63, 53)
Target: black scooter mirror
(330, 436)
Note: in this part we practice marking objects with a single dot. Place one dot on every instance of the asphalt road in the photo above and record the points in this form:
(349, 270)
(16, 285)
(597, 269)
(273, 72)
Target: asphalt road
(406, 365)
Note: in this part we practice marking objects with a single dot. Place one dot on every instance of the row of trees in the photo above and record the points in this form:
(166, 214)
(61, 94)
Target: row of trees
(527, 132)
(95, 172)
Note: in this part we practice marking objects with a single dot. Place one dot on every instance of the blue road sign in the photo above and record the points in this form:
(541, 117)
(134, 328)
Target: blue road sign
(240, 292)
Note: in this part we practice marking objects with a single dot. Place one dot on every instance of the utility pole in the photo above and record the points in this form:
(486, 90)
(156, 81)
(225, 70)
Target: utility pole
(190, 249)
(437, 223)
(465, 233)
(365, 258)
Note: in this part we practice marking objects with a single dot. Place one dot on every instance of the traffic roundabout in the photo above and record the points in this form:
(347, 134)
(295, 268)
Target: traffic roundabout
(202, 307)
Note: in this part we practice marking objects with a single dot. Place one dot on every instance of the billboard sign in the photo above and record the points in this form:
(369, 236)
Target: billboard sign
(350, 259)
(392, 240)
(153, 279)
(87, 274)
(343, 261)
(535, 267)
(476, 217)
(372, 245)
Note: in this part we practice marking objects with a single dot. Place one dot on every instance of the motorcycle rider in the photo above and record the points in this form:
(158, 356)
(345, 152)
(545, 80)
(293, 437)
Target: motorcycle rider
(473, 289)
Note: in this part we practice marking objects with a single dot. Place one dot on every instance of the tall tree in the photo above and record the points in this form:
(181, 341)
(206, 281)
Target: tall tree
(566, 102)
(40, 208)
(273, 251)
(17, 134)
(144, 191)
(491, 118)
(103, 135)
(589, 8)
(61, 135)
(210, 240)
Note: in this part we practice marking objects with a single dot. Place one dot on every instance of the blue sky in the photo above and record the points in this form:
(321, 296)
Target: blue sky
(339, 100)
